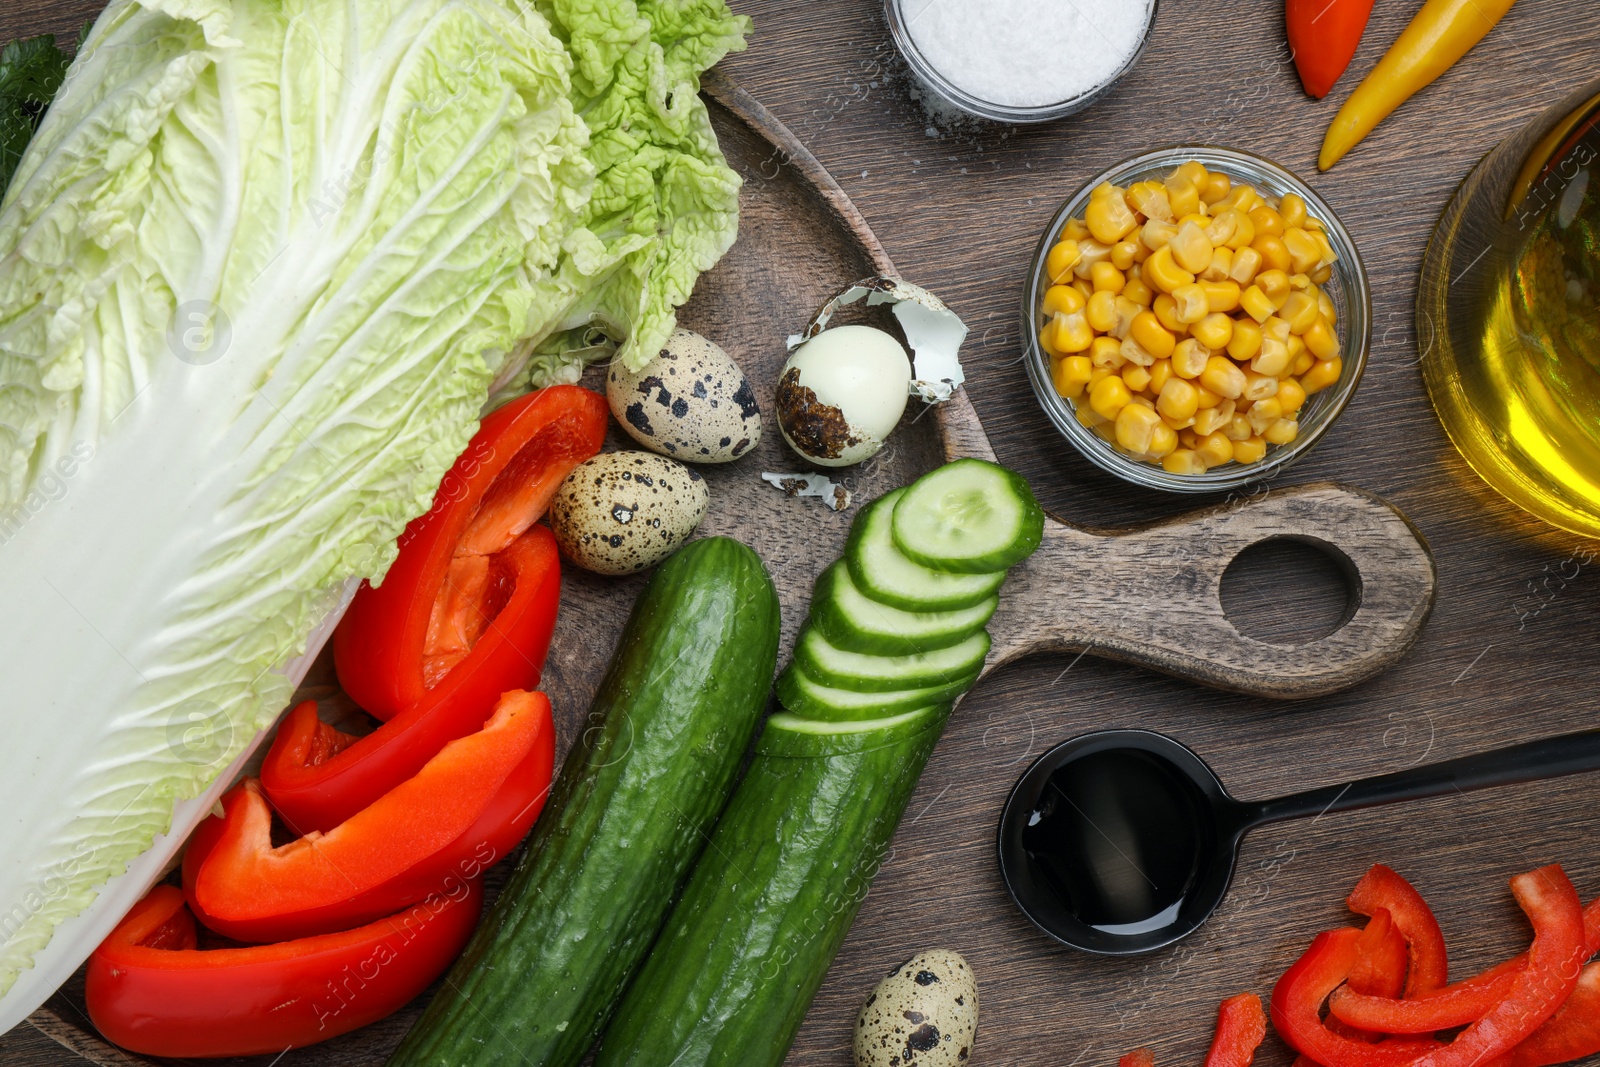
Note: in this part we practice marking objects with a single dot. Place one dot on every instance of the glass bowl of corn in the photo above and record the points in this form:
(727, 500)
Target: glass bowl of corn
(1197, 318)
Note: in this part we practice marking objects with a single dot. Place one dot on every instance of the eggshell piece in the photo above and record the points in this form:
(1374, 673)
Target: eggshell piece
(692, 402)
(624, 511)
(923, 1014)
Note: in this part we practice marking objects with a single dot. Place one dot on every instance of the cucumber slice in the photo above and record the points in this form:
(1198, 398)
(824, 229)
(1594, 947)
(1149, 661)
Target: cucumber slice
(867, 673)
(788, 736)
(970, 516)
(856, 623)
(809, 698)
(882, 571)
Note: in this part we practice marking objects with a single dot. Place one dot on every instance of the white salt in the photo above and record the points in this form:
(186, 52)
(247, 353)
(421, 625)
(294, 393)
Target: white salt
(1026, 53)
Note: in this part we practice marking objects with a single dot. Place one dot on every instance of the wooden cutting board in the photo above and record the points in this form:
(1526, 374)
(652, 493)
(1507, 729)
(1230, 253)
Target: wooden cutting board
(1506, 656)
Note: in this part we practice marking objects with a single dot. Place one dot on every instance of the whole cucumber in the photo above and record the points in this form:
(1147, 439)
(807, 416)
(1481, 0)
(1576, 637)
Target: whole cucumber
(770, 902)
(632, 808)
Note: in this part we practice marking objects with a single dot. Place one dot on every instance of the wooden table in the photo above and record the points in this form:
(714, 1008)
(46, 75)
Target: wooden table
(1507, 657)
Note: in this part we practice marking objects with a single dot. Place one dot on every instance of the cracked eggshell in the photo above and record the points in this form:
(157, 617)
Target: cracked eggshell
(923, 1014)
(692, 402)
(624, 511)
(842, 393)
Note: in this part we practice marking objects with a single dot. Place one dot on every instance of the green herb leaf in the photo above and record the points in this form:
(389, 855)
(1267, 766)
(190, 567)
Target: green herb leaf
(30, 73)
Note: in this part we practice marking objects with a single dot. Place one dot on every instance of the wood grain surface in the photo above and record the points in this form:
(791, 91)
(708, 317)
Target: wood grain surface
(1507, 655)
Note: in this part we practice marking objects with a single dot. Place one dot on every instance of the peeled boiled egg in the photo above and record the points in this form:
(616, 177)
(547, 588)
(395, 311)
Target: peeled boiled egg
(842, 393)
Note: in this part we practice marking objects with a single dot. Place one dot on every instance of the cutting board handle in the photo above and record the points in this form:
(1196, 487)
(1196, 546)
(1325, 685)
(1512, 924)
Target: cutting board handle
(1153, 595)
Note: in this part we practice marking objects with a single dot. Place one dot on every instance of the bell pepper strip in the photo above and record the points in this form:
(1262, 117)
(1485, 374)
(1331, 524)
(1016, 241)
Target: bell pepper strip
(317, 777)
(1323, 35)
(1455, 1005)
(1241, 1027)
(1297, 1005)
(434, 616)
(1554, 962)
(1572, 1033)
(1439, 34)
(1139, 1057)
(1381, 887)
(152, 991)
(1380, 970)
(470, 806)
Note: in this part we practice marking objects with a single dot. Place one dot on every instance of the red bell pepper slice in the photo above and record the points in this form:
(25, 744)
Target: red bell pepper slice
(151, 990)
(1324, 34)
(1241, 1027)
(317, 777)
(1572, 1033)
(1380, 970)
(464, 811)
(1381, 887)
(1297, 1006)
(1139, 1057)
(428, 624)
(1554, 962)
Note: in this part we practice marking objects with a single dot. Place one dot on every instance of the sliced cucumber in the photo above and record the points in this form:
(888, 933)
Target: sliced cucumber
(882, 572)
(970, 516)
(856, 623)
(868, 673)
(807, 697)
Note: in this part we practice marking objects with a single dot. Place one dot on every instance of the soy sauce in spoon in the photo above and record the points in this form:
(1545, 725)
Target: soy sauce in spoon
(1124, 841)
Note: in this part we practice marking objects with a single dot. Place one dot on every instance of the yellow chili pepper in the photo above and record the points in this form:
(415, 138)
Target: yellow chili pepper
(1441, 33)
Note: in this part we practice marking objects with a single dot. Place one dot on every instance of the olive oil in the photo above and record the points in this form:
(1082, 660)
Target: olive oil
(1508, 315)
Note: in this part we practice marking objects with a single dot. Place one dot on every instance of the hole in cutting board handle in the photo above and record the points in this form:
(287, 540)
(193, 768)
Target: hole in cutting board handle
(1290, 590)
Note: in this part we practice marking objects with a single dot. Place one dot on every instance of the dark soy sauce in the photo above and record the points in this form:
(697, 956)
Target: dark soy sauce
(1117, 836)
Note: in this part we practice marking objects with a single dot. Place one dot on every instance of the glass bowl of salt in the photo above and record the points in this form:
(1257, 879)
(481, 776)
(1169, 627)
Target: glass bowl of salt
(1003, 59)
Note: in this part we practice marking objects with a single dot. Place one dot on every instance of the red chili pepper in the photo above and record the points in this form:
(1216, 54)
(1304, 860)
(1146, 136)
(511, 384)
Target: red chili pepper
(1241, 1027)
(1323, 34)
(424, 627)
(1554, 963)
(317, 777)
(461, 813)
(1297, 1006)
(151, 990)
(1381, 887)
(1572, 1033)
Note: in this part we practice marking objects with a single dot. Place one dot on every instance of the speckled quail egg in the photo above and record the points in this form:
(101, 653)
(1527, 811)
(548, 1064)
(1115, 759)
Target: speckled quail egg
(692, 402)
(842, 393)
(923, 1014)
(624, 511)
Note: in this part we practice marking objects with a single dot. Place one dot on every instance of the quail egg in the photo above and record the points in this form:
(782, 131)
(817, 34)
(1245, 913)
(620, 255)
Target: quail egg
(842, 393)
(923, 1014)
(624, 511)
(692, 402)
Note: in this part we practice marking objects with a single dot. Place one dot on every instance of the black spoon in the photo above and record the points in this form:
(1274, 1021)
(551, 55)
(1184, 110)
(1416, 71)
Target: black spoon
(1123, 841)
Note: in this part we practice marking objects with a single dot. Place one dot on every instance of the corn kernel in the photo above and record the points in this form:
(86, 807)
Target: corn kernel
(1089, 253)
(1143, 401)
(1137, 378)
(1222, 296)
(1071, 333)
(1161, 271)
(1290, 396)
(1163, 440)
(1104, 189)
(1293, 209)
(1215, 449)
(1214, 331)
(1274, 283)
(1325, 307)
(1156, 234)
(1136, 426)
(1109, 219)
(1264, 413)
(1302, 363)
(1101, 311)
(1097, 374)
(1323, 374)
(1189, 358)
(1238, 428)
(1300, 310)
(1152, 336)
(1217, 186)
(1190, 303)
(1258, 386)
(1257, 304)
(1178, 399)
(1126, 311)
(1134, 352)
(1247, 337)
(1062, 258)
(1141, 251)
(1070, 375)
(1249, 450)
(1221, 263)
(1274, 256)
(1107, 278)
(1223, 376)
(1106, 431)
(1187, 438)
(1194, 170)
(1276, 328)
(1137, 291)
(1183, 461)
(1273, 359)
(1150, 200)
(1061, 300)
(1304, 255)
(1267, 222)
(1181, 194)
(1329, 256)
(1166, 312)
(1191, 248)
(1210, 420)
(1074, 230)
(1301, 283)
(1106, 352)
(1247, 199)
(1109, 395)
(1282, 432)
(1180, 425)
(1124, 254)
(1244, 231)
(1208, 399)
(1220, 229)
(1083, 287)
(1160, 374)
(1321, 340)
(1246, 263)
